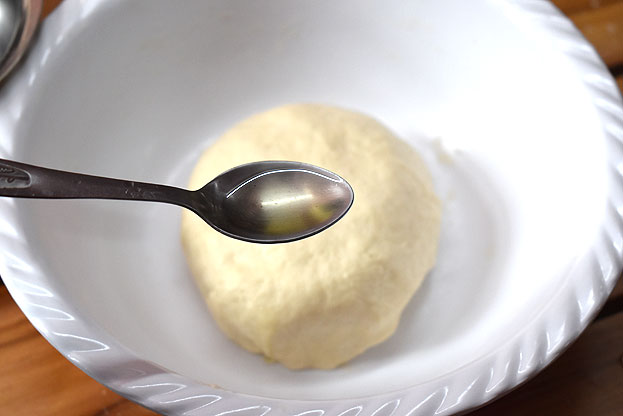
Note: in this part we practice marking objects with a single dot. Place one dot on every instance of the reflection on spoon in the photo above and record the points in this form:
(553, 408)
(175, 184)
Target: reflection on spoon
(286, 200)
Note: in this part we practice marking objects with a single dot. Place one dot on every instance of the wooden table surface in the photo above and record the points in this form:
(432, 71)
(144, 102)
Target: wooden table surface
(586, 380)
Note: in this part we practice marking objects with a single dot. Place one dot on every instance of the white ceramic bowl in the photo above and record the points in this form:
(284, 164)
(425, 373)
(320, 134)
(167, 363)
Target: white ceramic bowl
(515, 114)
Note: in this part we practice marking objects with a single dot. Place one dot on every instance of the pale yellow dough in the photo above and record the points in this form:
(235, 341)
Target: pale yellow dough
(320, 301)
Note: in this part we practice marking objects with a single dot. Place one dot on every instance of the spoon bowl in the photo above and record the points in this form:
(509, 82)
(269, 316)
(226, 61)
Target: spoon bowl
(274, 201)
(260, 202)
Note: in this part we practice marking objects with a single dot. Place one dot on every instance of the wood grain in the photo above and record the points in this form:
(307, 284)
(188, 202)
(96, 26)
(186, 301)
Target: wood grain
(575, 6)
(603, 27)
(48, 7)
(617, 292)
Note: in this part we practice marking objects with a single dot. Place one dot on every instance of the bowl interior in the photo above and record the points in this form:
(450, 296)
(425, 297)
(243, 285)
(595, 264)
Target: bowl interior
(137, 90)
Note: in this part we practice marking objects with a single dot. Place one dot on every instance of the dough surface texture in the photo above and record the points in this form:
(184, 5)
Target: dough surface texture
(319, 302)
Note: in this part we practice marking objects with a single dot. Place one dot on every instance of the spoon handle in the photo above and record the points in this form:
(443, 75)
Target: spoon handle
(29, 181)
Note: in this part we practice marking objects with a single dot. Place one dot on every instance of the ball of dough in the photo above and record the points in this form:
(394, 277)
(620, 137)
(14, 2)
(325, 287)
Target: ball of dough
(323, 300)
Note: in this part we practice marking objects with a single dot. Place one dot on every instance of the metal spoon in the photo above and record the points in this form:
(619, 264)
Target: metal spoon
(261, 202)
(18, 22)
